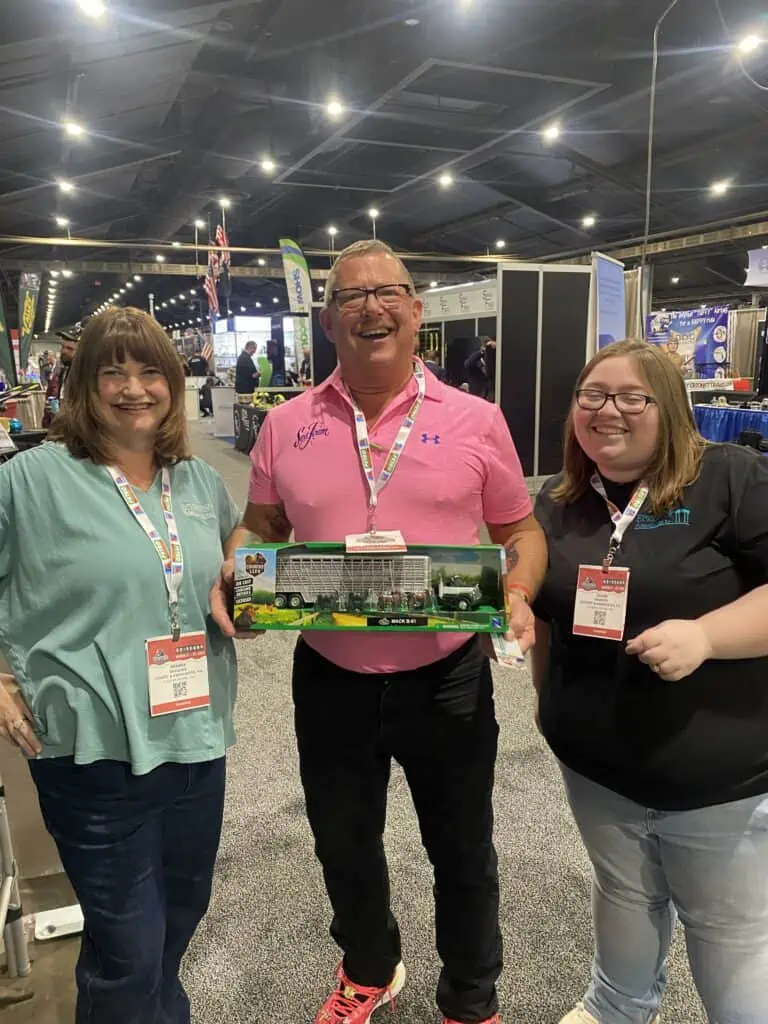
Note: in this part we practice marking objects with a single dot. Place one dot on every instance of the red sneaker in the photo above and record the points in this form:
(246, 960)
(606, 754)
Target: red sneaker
(496, 1019)
(354, 1004)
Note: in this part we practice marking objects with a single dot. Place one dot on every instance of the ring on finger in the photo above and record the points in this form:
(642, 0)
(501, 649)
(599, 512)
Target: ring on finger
(17, 725)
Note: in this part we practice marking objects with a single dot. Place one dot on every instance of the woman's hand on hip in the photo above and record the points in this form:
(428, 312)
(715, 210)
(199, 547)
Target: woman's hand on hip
(221, 598)
(673, 649)
(17, 723)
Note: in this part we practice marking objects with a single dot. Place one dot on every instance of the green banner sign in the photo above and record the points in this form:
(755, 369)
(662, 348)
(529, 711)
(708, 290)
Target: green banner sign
(7, 362)
(29, 291)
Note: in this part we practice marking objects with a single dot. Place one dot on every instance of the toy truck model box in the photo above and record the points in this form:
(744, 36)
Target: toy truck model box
(322, 586)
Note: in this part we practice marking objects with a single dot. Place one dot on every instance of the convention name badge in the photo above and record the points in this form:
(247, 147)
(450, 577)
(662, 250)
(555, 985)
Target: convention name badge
(177, 671)
(601, 602)
(383, 540)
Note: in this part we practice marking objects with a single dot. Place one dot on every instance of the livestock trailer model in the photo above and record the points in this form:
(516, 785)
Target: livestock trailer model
(322, 586)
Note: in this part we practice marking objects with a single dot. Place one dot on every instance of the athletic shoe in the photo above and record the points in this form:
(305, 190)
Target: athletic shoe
(354, 1004)
(579, 1015)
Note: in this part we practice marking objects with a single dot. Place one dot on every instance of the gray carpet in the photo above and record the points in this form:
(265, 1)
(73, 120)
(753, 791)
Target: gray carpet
(264, 956)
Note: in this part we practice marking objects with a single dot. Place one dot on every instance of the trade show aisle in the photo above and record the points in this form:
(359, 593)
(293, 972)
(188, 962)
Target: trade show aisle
(263, 952)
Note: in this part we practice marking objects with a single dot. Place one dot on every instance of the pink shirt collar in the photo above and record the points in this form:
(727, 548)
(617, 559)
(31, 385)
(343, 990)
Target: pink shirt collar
(435, 387)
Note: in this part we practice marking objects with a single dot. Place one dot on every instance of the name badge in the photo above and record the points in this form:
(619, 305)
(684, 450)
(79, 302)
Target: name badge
(601, 602)
(382, 540)
(177, 671)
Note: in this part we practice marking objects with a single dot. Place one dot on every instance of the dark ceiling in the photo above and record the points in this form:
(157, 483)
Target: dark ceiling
(182, 100)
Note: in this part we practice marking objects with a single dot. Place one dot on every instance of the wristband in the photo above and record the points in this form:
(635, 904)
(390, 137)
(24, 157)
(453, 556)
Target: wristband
(522, 590)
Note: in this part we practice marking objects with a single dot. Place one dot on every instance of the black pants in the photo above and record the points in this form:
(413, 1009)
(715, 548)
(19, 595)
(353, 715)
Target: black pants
(438, 722)
(139, 852)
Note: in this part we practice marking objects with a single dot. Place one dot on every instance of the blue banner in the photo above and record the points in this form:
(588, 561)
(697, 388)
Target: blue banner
(696, 339)
(610, 309)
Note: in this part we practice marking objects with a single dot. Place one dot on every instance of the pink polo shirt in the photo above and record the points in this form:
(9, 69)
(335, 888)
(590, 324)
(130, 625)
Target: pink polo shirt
(458, 470)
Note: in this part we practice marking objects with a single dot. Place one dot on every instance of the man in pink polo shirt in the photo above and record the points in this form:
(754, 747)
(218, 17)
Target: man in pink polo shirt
(424, 699)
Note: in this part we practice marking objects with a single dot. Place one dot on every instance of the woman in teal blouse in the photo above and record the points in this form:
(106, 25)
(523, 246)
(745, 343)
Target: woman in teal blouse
(111, 535)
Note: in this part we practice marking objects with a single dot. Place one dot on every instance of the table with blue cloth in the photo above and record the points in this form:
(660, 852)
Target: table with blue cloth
(718, 423)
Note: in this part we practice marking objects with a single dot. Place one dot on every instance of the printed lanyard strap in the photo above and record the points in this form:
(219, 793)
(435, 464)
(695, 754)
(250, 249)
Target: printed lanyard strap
(376, 486)
(173, 560)
(621, 520)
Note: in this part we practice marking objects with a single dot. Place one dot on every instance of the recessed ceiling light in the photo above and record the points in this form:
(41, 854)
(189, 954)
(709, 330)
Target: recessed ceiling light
(176, 245)
(73, 129)
(551, 132)
(674, 280)
(373, 213)
(66, 186)
(225, 203)
(433, 284)
(275, 300)
(321, 289)
(411, 22)
(122, 291)
(129, 284)
(199, 224)
(334, 108)
(261, 261)
(66, 273)
(54, 273)
(62, 222)
(160, 258)
(445, 180)
(258, 305)
(589, 221)
(750, 43)
(93, 8)
(242, 309)
(719, 188)
(268, 165)
(332, 231)
(500, 243)
(164, 305)
(172, 301)
(137, 277)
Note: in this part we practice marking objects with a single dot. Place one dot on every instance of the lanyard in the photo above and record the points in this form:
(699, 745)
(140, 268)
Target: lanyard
(621, 520)
(364, 444)
(173, 561)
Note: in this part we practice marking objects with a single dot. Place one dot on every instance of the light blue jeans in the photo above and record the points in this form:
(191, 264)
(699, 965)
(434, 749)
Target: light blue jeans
(710, 867)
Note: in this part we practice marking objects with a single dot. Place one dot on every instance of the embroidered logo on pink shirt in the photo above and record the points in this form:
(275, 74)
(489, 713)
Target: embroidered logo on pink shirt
(307, 434)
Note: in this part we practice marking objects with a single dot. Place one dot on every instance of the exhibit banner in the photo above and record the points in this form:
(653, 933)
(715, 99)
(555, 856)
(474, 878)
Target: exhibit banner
(7, 359)
(757, 273)
(29, 291)
(608, 296)
(299, 286)
(696, 339)
(462, 302)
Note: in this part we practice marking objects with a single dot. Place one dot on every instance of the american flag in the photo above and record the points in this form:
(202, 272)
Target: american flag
(207, 351)
(224, 260)
(209, 284)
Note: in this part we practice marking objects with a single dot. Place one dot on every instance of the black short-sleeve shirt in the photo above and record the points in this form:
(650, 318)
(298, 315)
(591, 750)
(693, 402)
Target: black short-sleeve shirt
(695, 743)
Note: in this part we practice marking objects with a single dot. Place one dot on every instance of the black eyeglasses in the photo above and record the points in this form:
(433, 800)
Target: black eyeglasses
(627, 402)
(351, 299)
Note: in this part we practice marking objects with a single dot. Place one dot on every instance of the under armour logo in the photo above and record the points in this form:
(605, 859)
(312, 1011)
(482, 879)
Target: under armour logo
(434, 438)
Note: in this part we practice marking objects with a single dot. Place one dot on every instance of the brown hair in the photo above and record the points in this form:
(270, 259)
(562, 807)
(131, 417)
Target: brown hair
(677, 459)
(113, 337)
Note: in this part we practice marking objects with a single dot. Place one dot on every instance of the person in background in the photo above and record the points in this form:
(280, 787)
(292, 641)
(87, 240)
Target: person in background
(432, 362)
(247, 377)
(305, 369)
(55, 392)
(424, 699)
(198, 365)
(480, 369)
(651, 664)
(184, 362)
(124, 532)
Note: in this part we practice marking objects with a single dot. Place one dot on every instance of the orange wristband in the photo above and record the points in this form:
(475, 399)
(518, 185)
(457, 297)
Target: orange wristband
(522, 589)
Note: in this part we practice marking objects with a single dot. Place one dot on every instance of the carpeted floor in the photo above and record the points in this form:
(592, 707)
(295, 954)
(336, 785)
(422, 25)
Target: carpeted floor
(264, 956)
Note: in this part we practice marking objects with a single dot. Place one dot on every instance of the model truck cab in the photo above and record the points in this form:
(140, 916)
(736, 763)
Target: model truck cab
(455, 593)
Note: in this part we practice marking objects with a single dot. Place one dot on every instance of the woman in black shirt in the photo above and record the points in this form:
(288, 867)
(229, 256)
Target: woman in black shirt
(651, 663)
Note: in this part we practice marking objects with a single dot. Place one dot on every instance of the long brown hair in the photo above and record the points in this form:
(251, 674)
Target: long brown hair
(113, 337)
(677, 459)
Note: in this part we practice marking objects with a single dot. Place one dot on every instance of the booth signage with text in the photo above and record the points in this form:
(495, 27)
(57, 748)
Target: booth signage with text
(697, 339)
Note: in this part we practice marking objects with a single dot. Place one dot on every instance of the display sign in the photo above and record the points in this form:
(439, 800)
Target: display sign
(757, 273)
(463, 301)
(610, 315)
(695, 339)
(299, 287)
(29, 290)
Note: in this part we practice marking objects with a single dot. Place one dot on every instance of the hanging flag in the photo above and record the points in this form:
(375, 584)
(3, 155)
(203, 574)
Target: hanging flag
(225, 259)
(207, 351)
(7, 361)
(299, 296)
(29, 291)
(209, 285)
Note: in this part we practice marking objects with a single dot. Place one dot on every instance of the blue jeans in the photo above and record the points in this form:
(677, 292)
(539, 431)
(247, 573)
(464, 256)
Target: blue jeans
(140, 853)
(710, 867)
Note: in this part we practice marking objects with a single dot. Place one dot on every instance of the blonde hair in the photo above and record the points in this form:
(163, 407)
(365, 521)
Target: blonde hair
(677, 460)
(366, 247)
(113, 337)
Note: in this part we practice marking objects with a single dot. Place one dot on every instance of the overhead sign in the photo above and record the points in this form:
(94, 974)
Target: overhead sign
(757, 274)
(464, 302)
(696, 339)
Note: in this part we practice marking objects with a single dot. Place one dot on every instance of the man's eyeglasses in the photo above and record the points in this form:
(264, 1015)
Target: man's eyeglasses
(628, 402)
(353, 299)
